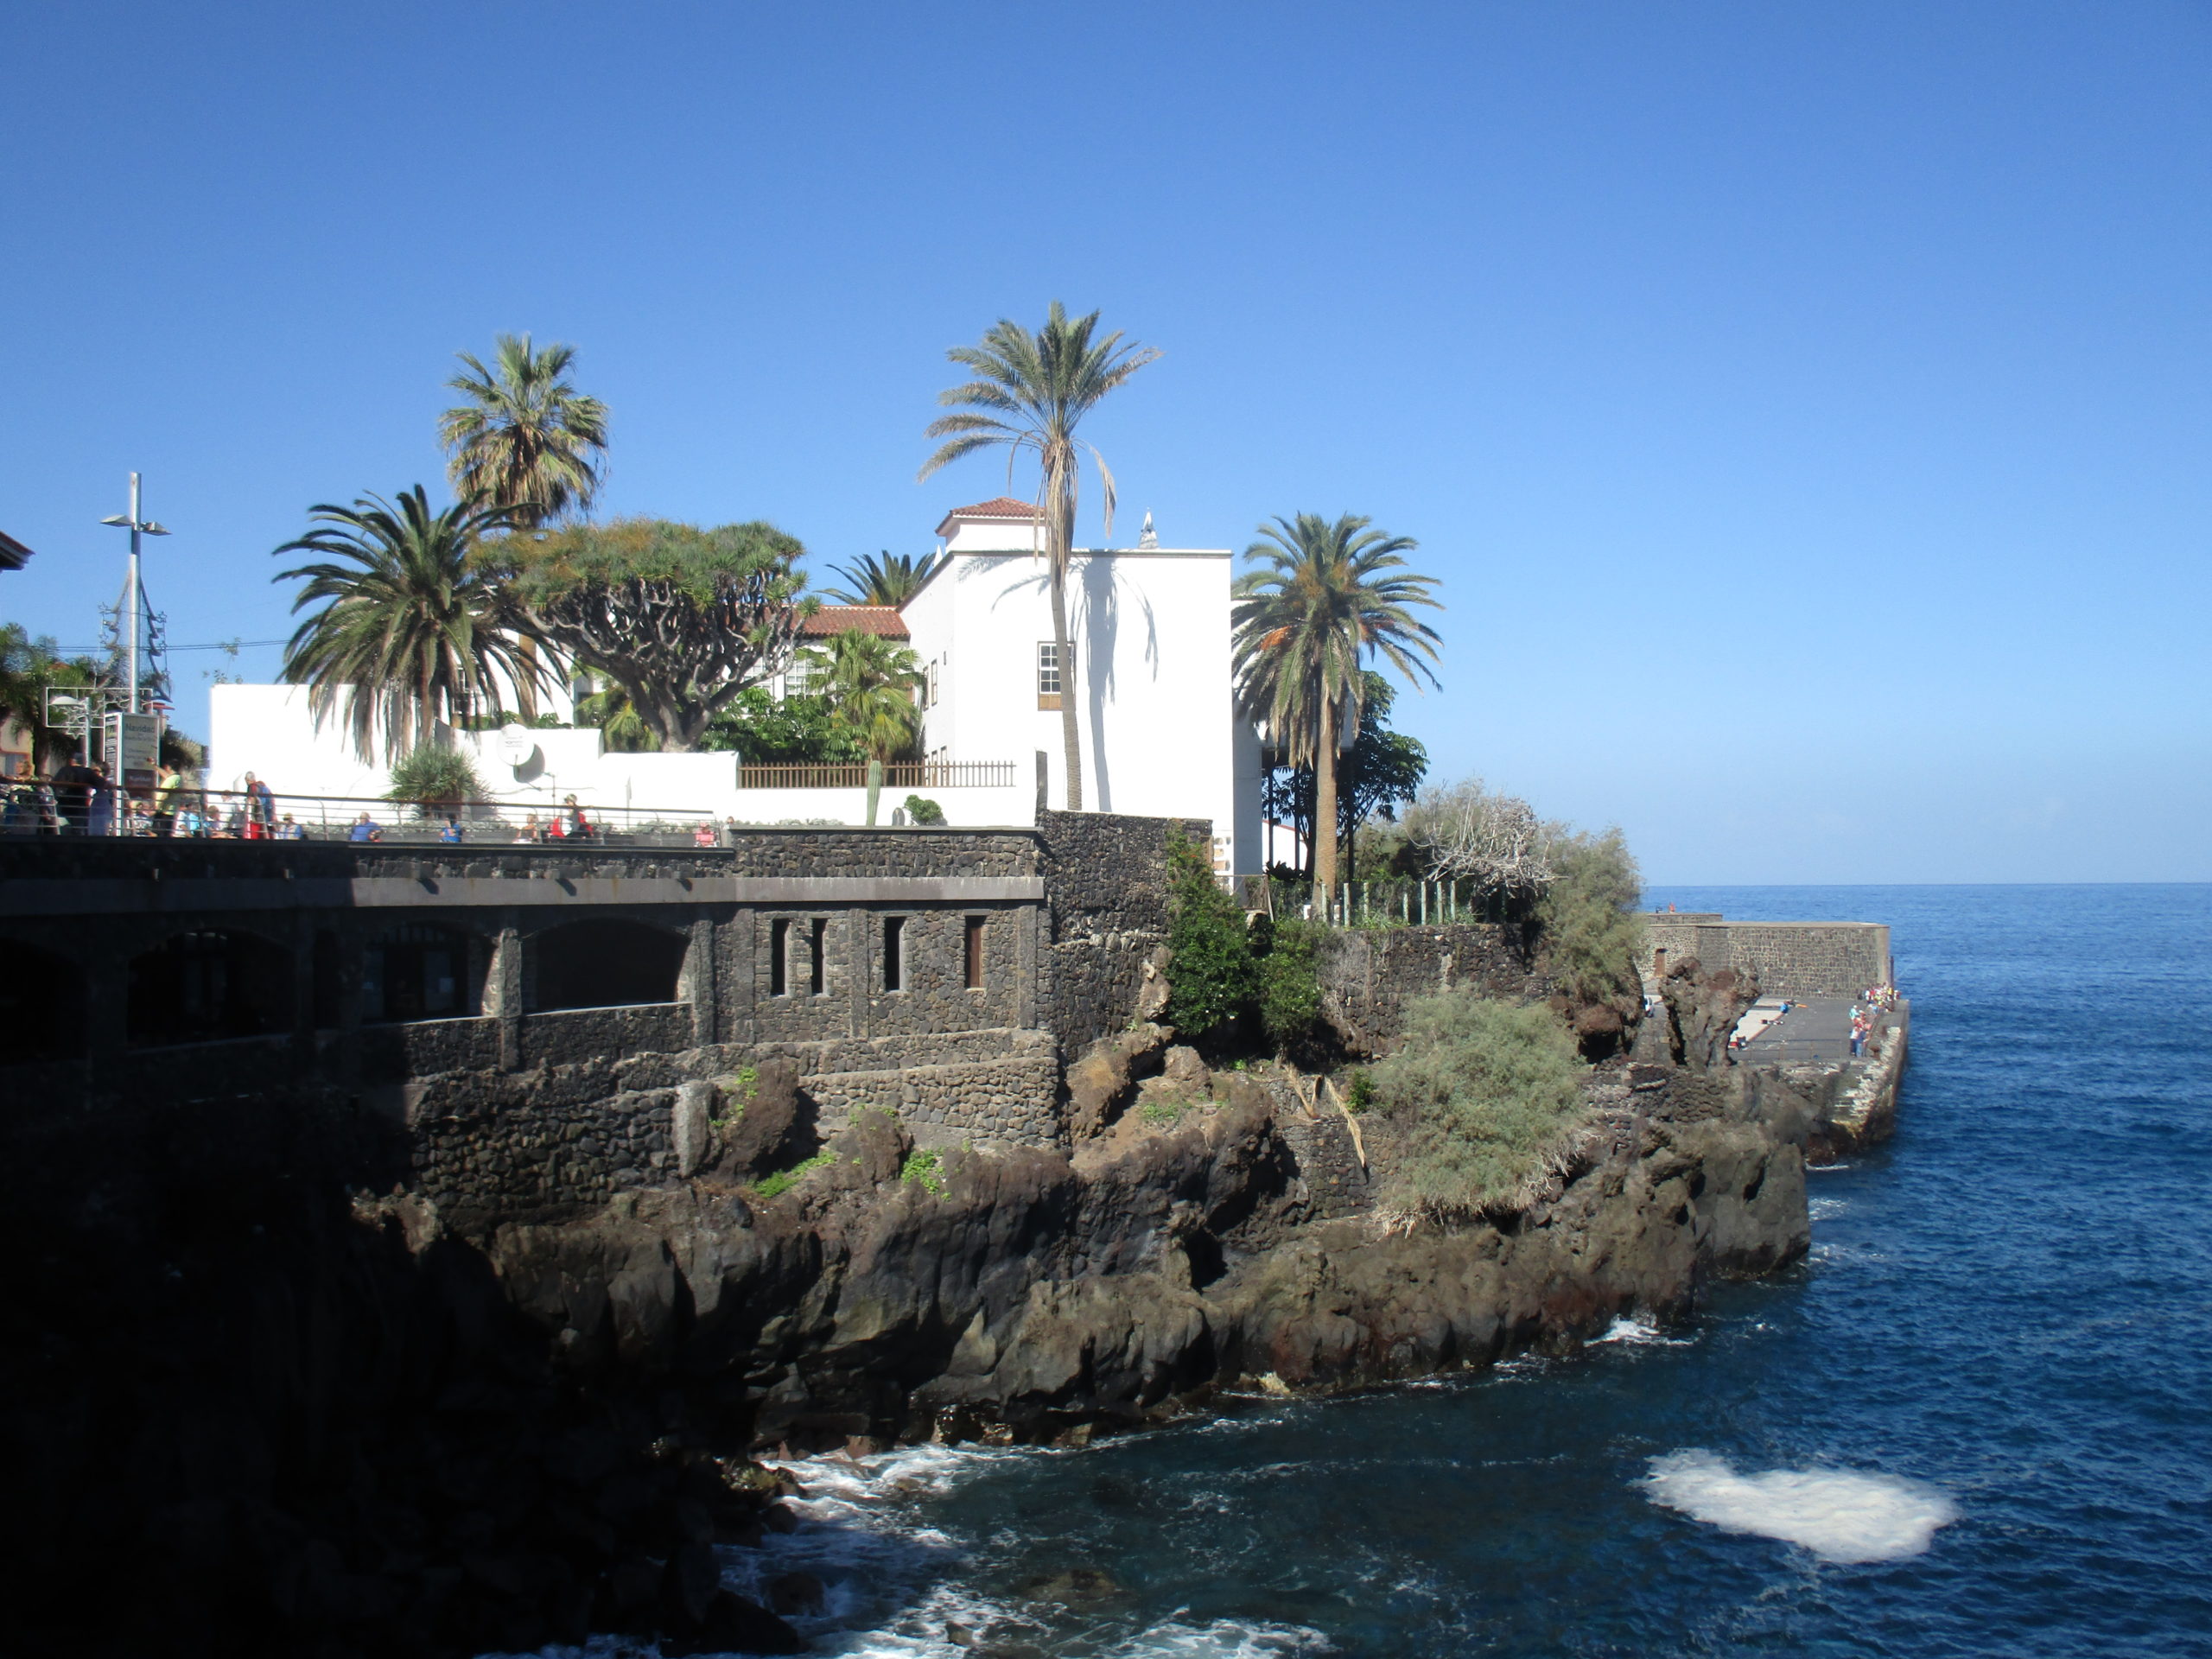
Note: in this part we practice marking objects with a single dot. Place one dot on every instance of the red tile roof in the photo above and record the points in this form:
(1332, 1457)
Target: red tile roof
(999, 506)
(833, 620)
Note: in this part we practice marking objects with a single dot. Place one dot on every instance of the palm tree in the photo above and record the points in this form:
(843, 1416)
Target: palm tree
(414, 622)
(525, 439)
(1304, 626)
(1031, 392)
(872, 685)
(883, 578)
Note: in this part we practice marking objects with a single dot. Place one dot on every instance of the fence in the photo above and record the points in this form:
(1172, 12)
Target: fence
(49, 809)
(1394, 902)
(905, 775)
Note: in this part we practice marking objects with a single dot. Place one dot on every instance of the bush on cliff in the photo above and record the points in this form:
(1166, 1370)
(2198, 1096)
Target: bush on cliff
(1210, 973)
(1485, 1093)
(1588, 916)
(1290, 987)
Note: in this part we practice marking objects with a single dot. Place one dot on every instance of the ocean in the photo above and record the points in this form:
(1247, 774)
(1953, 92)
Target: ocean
(1978, 1421)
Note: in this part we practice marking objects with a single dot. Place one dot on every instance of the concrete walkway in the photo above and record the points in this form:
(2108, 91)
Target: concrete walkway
(1817, 1028)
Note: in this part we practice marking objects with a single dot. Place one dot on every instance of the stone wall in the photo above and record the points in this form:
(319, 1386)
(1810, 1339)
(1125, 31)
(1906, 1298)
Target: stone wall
(1106, 882)
(1368, 975)
(1790, 959)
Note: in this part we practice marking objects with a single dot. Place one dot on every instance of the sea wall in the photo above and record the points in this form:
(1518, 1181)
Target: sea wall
(1789, 959)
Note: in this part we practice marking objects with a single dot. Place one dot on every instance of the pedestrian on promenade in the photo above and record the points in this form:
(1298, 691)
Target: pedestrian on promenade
(450, 834)
(529, 832)
(729, 830)
(260, 807)
(72, 796)
(704, 834)
(365, 828)
(291, 829)
(99, 804)
(165, 794)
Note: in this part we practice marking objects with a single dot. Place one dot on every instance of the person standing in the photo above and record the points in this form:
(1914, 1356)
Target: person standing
(260, 807)
(165, 792)
(365, 828)
(72, 796)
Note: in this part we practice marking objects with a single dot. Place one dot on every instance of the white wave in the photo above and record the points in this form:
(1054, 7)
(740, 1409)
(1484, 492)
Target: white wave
(1825, 1209)
(1826, 1169)
(1227, 1638)
(1640, 1333)
(1836, 1514)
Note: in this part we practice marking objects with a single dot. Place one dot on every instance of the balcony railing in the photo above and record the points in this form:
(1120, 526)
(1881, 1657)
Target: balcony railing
(919, 774)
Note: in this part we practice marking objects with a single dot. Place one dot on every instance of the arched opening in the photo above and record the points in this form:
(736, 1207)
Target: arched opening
(199, 988)
(416, 972)
(41, 1006)
(606, 964)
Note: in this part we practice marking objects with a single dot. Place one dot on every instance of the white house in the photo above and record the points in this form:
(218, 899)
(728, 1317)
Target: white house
(1151, 678)
(1149, 632)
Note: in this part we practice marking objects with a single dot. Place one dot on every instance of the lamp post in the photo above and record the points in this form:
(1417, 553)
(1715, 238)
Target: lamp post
(137, 527)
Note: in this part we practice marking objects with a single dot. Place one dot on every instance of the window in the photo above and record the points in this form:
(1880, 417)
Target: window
(606, 964)
(814, 979)
(780, 949)
(895, 952)
(974, 953)
(1050, 679)
(413, 972)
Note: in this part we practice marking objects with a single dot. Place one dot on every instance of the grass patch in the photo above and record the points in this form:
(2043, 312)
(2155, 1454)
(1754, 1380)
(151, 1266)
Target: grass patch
(775, 1186)
(1163, 1112)
(925, 1168)
(1489, 1095)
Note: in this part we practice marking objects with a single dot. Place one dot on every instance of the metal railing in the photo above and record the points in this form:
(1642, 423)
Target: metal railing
(43, 808)
(904, 774)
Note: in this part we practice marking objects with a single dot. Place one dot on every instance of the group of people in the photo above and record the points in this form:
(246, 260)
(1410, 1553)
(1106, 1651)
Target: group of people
(80, 799)
(569, 823)
(1877, 999)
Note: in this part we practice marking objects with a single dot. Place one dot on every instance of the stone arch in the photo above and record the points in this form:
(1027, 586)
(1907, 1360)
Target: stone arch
(43, 1004)
(607, 962)
(206, 985)
(418, 970)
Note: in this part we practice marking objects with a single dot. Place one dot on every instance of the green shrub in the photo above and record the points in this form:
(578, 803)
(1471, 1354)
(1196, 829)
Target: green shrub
(1588, 916)
(1164, 1111)
(1211, 974)
(1487, 1093)
(921, 812)
(1359, 1092)
(435, 777)
(925, 1168)
(775, 1186)
(1290, 987)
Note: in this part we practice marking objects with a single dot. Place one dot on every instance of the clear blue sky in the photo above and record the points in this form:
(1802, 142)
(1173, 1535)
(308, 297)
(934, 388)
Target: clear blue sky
(1805, 405)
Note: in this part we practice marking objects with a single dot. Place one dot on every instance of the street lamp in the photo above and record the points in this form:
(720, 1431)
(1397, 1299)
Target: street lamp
(137, 527)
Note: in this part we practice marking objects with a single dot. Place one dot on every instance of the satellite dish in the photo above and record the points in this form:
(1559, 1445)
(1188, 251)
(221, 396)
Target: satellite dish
(517, 746)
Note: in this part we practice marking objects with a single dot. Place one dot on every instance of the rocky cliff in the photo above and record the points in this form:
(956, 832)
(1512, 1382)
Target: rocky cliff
(256, 1409)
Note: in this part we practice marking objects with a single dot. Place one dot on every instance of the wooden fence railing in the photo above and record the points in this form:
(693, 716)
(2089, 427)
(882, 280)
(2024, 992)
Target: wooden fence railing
(919, 774)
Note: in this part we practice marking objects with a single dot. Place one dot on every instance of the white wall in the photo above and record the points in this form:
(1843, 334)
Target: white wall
(1152, 684)
(270, 730)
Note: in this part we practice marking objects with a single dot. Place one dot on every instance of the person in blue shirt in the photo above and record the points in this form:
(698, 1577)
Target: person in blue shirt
(364, 828)
(451, 831)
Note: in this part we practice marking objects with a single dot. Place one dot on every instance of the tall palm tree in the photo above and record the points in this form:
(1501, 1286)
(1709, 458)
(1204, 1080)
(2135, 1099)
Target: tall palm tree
(526, 438)
(1030, 392)
(874, 685)
(883, 578)
(415, 622)
(1305, 626)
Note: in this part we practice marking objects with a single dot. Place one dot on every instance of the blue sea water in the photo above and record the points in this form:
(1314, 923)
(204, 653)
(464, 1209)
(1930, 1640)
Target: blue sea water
(1994, 1373)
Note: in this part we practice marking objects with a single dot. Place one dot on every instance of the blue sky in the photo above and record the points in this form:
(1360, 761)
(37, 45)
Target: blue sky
(1804, 404)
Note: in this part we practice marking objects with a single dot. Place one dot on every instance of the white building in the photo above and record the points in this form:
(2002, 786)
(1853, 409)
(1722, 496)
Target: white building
(1149, 630)
(1150, 633)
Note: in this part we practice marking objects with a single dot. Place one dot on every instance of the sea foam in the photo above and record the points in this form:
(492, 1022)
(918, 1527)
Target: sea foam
(1836, 1514)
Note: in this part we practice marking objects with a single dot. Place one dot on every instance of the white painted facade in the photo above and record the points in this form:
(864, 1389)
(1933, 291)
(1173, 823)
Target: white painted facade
(1150, 627)
(1151, 679)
